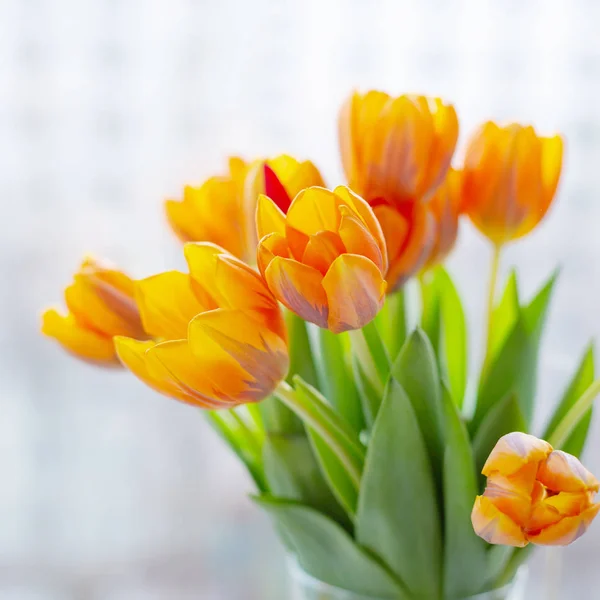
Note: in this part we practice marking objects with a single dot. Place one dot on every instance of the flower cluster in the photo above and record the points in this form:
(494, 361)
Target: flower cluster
(294, 300)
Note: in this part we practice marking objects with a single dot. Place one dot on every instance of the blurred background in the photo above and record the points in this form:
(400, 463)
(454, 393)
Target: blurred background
(110, 492)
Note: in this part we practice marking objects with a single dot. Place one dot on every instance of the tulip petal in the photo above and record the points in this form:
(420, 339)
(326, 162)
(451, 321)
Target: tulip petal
(269, 218)
(322, 249)
(201, 259)
(355, 292)
(243, 360)
(567, 530)
(494, 526)
(513, 451)
(184, 221)
(275, 190)
(167, 304)
(552, 156)
(554, 508)
(358, 239)
(445, 124)
(132, 354)
(109, 313)
(409, 241)
(83, 343)
(513, 495)
(269, 247)
(174, 366)
(314, 209)
(304, 176)
(562, 472)
(299, 287)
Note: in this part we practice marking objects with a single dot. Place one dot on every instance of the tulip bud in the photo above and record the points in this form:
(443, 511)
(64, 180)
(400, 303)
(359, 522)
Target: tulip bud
(510, 176)
(326, 259)
(100, 304)
(534, 494)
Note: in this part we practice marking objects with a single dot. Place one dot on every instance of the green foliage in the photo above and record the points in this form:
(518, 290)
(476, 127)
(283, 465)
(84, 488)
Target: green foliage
(328, 553)
(293, 473)
(465, 555)
(513, 367)
(335, 376)
(398, 516)
(581, 381)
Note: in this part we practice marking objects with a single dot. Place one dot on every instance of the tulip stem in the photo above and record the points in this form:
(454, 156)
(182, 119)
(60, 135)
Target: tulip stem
(573, 417)
(491, 298)
(319, 416)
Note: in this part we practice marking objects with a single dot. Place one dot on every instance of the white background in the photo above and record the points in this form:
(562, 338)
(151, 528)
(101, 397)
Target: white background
(108, 491)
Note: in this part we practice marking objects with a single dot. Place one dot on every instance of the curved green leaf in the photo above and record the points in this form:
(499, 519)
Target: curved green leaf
(398, 517)
(335, 376)
(340, 483)
(292, 472)
(465, 557)
(325, 551)
(580, 382)
(454, 358)
(417, 372)
(504, 417)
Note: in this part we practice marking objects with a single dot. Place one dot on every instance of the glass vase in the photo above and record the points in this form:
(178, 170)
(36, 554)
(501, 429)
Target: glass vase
(306, 587)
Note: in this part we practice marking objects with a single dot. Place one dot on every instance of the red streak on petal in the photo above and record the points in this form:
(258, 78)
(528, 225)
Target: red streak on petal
(275, 190)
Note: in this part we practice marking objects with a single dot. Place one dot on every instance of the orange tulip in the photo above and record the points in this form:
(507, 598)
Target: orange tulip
(222, 209)
(409, 232)
(326, 260)
(398, 149)
(445, 209)
(510, 178)
(222, 336)
(534, 494)
(101, 305)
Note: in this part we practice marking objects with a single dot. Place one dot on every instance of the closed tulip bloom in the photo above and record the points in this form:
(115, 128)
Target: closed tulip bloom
(510, 179)
(222, 210)
(219, 334)
(100, 304)
(445, 208)
(534, 494)
(398, 149)
(326, 259)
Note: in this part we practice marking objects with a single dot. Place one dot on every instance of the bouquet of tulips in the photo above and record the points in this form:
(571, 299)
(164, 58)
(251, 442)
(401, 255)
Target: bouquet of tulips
(340, 384)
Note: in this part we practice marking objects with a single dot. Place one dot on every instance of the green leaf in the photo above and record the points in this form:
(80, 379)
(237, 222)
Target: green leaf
(292, 472)
(505, 315)
(465, 558)
(369, 396)
(454, 354)
(416, 370)
(301, 358)
(340, 483)
(240, 441)
(398, 517)
(580, 382)
(575, 416)
(391, 322)
(514, 367)
(278, 418)
(327, 553)
(369, 349)
(504, 417)
(431, 312)
(316, 413)
(335, 375)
